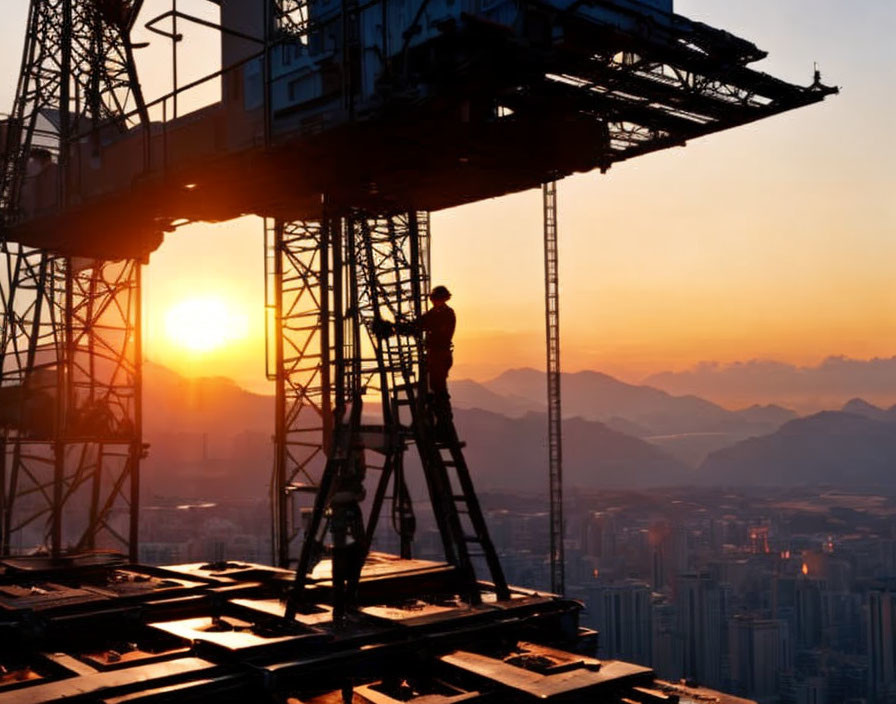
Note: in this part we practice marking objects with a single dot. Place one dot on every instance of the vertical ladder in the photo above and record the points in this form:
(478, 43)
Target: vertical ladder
(386, 275)
(456, 508)
(465, 504)
(552, 338)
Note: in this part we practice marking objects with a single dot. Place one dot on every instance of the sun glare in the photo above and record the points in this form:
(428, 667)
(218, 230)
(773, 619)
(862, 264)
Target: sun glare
(204, 324)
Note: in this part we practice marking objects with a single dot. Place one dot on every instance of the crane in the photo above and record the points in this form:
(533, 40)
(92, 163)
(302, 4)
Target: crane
(343, 126)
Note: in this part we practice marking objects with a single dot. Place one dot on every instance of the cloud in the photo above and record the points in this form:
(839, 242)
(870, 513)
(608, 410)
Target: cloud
(833, 381)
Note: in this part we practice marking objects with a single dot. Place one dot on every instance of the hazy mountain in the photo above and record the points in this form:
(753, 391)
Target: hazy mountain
(861, 407)
(511, 454)
(830, 447)
(828, 384)
(597, 396)
(766, 415)
(214, 405)
(466, 393)
(687, 427)
(210, 438)
(693, 448)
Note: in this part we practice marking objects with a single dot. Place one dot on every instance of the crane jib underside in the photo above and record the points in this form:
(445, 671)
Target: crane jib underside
(381, 109)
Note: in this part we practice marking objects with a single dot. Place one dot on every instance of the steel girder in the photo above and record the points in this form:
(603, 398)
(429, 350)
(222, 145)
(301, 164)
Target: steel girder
(70, 340)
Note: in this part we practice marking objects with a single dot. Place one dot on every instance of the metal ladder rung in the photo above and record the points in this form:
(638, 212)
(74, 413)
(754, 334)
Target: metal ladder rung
(303, 488)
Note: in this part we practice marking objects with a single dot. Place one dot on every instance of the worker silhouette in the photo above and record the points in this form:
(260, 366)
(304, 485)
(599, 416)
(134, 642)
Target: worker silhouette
(437, 327)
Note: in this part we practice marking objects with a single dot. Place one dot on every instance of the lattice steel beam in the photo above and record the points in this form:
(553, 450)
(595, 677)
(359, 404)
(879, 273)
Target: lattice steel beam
(552, 338)
(71, 389)
(70, 343)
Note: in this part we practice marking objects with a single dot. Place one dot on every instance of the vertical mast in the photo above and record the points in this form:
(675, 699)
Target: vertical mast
(552, 336)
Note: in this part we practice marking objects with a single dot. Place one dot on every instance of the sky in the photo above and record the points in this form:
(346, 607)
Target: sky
(770, 241)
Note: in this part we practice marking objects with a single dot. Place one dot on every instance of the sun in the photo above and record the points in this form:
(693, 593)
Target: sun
(204, 324)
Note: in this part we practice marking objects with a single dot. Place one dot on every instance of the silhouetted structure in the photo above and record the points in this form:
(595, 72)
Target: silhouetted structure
(342, 124)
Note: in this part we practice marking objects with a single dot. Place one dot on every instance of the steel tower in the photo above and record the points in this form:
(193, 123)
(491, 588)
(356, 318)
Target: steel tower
(70, 345)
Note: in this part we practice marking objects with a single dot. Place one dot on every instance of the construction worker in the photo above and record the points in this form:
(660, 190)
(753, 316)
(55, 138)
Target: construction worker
(437, 325)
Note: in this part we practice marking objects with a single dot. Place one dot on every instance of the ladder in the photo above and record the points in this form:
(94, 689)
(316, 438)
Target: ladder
(456, 508)
(388, 276)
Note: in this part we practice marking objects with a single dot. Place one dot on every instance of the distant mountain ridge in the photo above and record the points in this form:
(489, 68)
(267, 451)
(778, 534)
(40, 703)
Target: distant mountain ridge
(209, 436)
(597, 396)
(688, 427)
(831, 447)
(861, 407)
(511, 453)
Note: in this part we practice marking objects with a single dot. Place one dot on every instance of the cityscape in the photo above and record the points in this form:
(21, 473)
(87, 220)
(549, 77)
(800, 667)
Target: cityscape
(781, 594)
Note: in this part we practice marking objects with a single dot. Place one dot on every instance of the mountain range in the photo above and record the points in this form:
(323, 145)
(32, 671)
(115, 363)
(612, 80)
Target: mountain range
(830, 447)
(687, 426)
(509, 453)
(209, 437)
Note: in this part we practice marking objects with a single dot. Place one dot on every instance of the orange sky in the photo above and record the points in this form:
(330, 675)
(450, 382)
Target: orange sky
(773, 240)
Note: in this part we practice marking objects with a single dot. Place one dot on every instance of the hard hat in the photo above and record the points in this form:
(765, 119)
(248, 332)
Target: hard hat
(440, 293)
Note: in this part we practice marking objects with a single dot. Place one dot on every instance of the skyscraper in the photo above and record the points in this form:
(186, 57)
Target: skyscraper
(759, 651)
(702, 616)
(881, 649)
(622, 614)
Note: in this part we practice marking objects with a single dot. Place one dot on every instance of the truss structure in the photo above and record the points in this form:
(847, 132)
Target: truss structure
(325, 357)
(555, 418)
(70, 344)
(350, 401)
(71, 404)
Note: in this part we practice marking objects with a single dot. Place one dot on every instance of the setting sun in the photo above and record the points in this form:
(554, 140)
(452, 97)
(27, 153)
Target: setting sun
(204, 324)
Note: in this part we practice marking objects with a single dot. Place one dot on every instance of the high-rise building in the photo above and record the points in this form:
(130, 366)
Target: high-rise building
(622, 615)
(881, 648)
(667, 656)
(759, 652)
(702, 605)
(808, 611)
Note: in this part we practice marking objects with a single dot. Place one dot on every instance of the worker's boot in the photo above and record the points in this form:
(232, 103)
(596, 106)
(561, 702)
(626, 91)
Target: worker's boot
(443, 416)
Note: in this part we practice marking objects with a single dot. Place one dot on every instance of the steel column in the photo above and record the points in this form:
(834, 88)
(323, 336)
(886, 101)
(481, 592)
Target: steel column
(552, 337)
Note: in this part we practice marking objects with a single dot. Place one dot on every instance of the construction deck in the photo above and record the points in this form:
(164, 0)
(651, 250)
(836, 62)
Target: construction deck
(97, 629)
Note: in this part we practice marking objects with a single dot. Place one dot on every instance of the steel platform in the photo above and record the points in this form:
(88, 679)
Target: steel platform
(95, 628)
